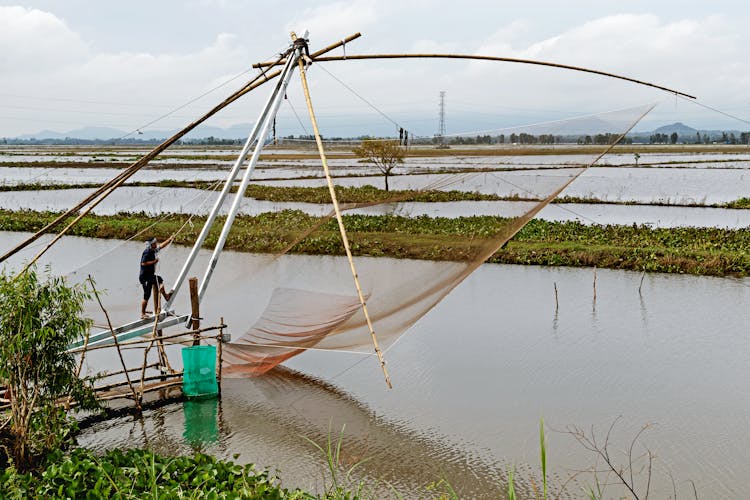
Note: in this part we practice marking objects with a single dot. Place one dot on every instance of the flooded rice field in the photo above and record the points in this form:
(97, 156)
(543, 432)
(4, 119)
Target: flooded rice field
(155, 201)
(472, 379)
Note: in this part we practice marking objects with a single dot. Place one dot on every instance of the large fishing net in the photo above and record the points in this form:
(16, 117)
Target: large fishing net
(282, 304)
(319, 308)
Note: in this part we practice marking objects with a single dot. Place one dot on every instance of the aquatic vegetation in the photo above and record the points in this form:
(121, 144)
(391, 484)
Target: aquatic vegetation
(701, 251)
(142, 473)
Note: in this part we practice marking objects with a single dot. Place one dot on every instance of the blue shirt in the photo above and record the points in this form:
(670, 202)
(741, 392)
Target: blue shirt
(149, 270)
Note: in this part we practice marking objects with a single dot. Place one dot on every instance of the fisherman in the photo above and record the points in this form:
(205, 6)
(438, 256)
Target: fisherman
(148, 276)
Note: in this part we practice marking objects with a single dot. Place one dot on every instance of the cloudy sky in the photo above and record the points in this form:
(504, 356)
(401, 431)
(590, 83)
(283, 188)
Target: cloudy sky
(74, 63)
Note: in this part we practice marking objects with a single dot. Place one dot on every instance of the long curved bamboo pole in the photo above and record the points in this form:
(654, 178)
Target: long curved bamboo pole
(342, 230)
(487, 58)
(119, 179)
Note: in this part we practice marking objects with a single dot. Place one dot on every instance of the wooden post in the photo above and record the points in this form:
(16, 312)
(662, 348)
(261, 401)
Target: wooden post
(557, 304)
(195, 309)
(594, 284)
(220, 339)
(164, 366)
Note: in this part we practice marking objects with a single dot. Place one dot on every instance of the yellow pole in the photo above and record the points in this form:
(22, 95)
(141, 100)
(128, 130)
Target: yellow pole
(340, 221)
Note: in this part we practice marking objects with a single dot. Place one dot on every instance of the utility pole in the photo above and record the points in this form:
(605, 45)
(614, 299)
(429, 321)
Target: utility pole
(440, 136)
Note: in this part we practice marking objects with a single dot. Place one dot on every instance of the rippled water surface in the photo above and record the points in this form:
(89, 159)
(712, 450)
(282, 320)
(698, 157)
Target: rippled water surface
(473, 377)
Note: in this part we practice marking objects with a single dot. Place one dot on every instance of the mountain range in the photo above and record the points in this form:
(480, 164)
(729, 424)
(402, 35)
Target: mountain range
(240, 131)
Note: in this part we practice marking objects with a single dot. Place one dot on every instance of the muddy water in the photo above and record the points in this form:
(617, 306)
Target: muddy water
(473, 377)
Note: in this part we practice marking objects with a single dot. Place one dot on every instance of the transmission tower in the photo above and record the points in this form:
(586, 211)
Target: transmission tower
(440, 136)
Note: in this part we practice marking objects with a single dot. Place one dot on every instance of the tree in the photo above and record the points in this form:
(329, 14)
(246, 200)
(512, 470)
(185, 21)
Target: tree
(38, 321)
(383, 153)
(673, 138)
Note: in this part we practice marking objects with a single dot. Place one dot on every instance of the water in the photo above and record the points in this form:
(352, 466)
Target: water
(473, 377)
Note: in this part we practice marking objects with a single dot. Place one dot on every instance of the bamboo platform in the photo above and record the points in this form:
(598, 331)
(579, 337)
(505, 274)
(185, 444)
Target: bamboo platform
(133, 383)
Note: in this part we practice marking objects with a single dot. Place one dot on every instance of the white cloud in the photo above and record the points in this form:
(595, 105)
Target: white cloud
(35, 41)
(325, 22)
(698, 56)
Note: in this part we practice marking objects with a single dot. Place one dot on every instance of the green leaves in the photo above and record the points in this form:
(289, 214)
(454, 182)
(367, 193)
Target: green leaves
(143, 474)
(39, 318)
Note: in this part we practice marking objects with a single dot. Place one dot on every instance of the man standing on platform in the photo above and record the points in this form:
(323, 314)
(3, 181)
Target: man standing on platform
(148, 276)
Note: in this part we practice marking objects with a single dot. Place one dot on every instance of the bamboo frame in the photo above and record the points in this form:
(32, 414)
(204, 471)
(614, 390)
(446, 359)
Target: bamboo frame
(146, 341)
(117, 344)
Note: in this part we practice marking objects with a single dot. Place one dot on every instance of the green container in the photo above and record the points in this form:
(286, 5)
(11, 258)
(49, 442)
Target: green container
(199, 371)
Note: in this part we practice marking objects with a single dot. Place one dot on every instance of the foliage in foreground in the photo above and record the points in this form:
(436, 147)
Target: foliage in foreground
(38, 320)
(139, 474)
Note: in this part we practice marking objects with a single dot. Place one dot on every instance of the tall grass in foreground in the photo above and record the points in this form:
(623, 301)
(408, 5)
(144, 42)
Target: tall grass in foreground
(341, 488)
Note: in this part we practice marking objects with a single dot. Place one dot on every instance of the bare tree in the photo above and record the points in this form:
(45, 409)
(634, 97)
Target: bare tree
(383, 153)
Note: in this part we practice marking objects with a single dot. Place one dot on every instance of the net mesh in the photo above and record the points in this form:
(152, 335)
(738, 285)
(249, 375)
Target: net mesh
(280, 305)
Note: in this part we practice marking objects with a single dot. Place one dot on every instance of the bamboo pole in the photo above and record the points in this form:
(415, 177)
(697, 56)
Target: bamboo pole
(163, 360)
(150, 378)
(499, 59)
(318, 53)
(339, 219)
(219, 348)
(104, 375)
(117, 345)
(135, 342)
(118, 180)
(83, 352)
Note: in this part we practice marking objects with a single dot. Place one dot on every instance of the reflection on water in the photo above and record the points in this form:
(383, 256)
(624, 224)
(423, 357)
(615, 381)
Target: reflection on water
(472, 378)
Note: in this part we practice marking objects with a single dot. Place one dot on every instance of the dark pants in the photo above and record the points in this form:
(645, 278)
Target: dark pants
(147, 282)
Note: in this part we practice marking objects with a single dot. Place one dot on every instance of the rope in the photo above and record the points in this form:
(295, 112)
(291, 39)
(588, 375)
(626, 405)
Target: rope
(344, 238)
(106, 189)
(147, 228)
(715, 110)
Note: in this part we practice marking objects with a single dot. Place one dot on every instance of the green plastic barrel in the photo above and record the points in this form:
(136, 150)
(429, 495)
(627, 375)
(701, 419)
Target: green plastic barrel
(199, 371)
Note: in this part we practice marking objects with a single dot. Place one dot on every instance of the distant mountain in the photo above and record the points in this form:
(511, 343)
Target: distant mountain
(79, 133)
(678, 127)
(582, 126)
(239, 131)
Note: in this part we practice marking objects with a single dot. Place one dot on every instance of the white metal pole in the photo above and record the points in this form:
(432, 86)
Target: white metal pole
(262, 118)
(284, 79)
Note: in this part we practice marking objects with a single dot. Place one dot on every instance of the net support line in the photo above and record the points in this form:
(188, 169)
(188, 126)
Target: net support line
(339, 219)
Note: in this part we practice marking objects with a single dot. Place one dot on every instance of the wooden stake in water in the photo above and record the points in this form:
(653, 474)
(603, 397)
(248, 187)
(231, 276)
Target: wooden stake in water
(594, 284)
(557, 304)
(195, 310)
(641, 284)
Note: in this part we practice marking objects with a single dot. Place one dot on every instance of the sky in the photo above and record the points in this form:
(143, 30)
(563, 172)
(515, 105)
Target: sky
(73, 63)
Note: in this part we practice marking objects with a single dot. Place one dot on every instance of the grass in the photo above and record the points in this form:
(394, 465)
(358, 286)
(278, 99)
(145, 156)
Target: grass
(699, 251)
(365, 194)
